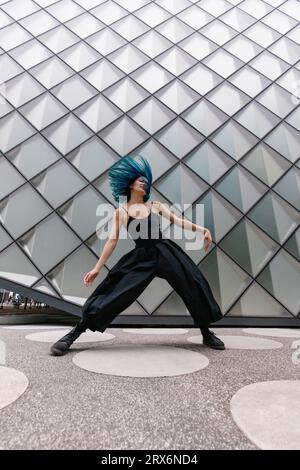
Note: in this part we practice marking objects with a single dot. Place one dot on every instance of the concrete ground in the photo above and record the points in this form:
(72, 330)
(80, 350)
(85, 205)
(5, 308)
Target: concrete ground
(65, 406)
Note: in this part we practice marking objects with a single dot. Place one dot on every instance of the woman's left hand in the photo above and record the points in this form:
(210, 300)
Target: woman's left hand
(207, 239)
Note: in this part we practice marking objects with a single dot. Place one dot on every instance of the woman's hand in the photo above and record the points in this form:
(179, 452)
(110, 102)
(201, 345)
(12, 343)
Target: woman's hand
(90, 276)
(207, 239)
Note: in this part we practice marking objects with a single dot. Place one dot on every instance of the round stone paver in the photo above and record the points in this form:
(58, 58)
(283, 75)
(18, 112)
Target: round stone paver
(276, 332)
(53, 336)
(141, 360)
(242, 342)
(156, 331)
(268, 413)
(13, 384)
(35, 327)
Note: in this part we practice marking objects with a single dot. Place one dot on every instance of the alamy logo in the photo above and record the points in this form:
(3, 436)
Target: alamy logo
(193, 239)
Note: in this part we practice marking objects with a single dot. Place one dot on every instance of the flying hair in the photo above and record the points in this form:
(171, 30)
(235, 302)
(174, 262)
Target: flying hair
(125, 171)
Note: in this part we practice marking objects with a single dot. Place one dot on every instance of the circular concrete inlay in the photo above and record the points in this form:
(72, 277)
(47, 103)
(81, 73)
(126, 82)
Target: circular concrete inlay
(141, 361)
(13, 384)
(268, 413)
(53, 336)
(276, 332)
(34, 327)
(242, 342)
(156, 331)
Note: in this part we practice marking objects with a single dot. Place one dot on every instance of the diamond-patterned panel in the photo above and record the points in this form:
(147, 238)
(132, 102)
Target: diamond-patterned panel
(207, 91)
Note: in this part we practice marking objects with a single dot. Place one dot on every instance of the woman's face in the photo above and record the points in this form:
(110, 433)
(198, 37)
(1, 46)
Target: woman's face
(140, 184)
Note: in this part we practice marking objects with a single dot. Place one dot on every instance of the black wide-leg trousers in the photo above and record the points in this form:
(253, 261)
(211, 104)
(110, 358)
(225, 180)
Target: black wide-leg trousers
(133, 273)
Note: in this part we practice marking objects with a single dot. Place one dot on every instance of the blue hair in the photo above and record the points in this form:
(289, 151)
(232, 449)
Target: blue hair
(125, 171)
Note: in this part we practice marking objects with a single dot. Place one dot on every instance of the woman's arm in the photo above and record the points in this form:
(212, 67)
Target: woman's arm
(118, 220)
(112, 239)
(185, 223)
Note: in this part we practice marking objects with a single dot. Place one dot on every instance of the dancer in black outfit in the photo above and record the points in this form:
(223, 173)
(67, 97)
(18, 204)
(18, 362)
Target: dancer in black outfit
(153, 256)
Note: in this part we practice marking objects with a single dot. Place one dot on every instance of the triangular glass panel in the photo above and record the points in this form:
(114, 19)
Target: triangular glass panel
(85, 25)
(152, 43)
(43, 111)
(256, 302)
(74, 91)
(52, 233)
(126, 94)
(67, 134)
(25, 158)
(152, 115)
(234, 139)
(14, 130)
(14, 213)
(277, 100)
(93, 158)
(285, 139)
(205, 117)
(249, 81)
(288, 187)
(98, 113)
(177, 96)
(30, 54)
(51, 72)
(219, 215)
(243, 48)
(181, 186)
(257, 119)
(102, 74)
(218, 32)
(152, 14)
(249, 247)
(276, 217)
(79, 56)
(128, 58)
(274, 277)
(195, 17)
(124, 135)
(176, 60)
(109, 12)
(209, 162)
(11, 178)
(16, 267)
(152, 76)
(293, 245)
(225, 278)
(58, 39)
(130, 27)
(174, 30)
(265, 164)
(179, 137)
(22, 89)
(228, 98)
(201, 79)
(241, 188)
(197, 46)
(47, 183)
(106, 41)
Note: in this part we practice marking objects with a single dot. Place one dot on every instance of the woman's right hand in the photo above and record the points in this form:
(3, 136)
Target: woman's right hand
(90, 276)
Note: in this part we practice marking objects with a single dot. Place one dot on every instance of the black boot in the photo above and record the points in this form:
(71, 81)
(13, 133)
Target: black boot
(210, 339)
(62, 346)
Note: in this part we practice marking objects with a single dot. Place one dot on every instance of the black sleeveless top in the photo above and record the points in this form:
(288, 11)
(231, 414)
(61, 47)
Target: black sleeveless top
(145, 231)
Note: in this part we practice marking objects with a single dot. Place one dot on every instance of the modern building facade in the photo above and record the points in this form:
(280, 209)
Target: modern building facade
(208, 91)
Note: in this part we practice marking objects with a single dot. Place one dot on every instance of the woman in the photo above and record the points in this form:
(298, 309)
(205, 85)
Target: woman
(154, 255)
